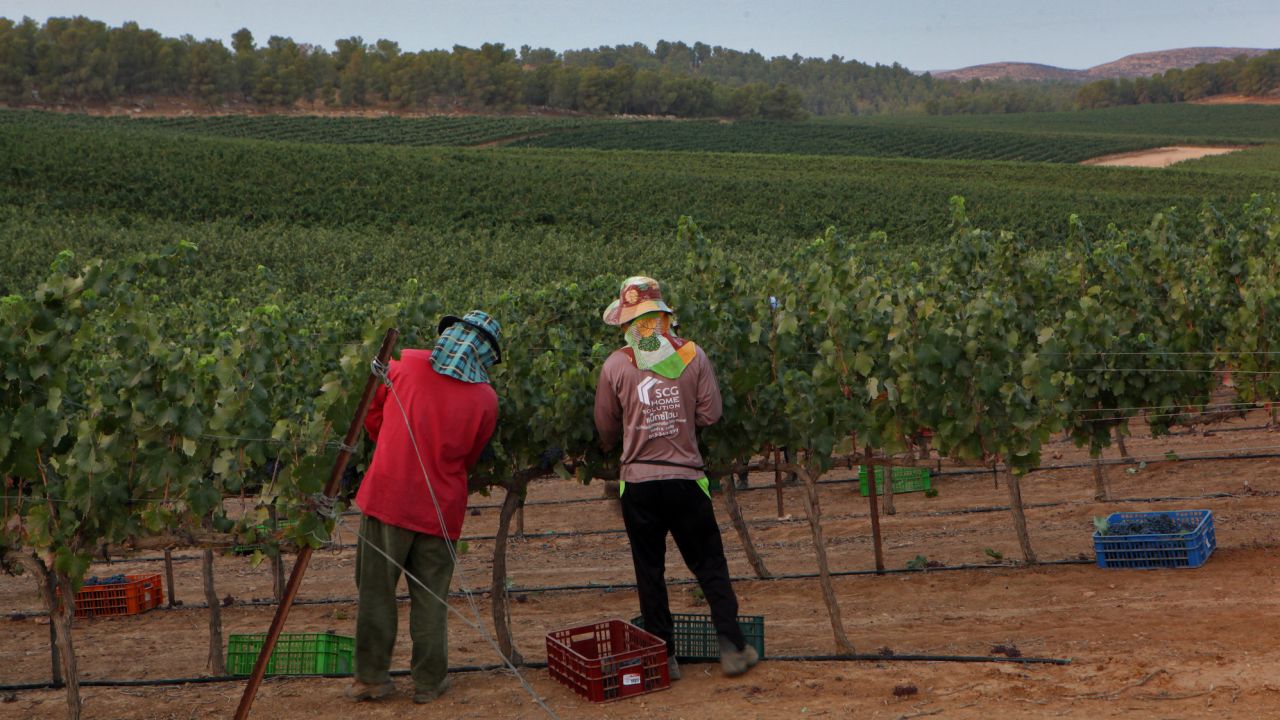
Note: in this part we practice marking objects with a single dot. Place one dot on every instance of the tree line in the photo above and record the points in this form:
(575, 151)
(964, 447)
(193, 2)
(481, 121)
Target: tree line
(80, 61)
(1256, 76)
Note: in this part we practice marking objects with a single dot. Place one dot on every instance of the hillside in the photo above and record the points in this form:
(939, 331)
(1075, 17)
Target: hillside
(1151, 63)
(1136, 65)
(1031, 72)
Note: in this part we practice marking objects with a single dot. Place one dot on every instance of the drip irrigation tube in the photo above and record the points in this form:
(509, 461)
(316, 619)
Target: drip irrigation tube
(1153, 460)
(857, 657)
(1171, 498)
(959, 472)
(766, 521)
(769, 522)
(797, 576)
(614, 587)
(469, 538)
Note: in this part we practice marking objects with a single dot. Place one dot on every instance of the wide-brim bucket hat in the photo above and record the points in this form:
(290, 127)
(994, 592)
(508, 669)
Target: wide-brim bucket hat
(638, 295)
(482, 323)
(467, 347)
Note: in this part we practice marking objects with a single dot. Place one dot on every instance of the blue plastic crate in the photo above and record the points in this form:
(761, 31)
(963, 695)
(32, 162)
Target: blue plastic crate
(1180, 550)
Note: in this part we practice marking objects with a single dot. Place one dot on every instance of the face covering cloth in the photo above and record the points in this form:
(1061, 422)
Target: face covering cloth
(653, 347)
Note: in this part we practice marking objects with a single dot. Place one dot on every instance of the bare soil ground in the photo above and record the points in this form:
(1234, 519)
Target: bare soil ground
(1158, 157)
(1191, 643)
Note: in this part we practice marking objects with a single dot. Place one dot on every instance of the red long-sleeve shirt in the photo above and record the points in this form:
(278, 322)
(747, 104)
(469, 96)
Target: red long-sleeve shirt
(451, 421)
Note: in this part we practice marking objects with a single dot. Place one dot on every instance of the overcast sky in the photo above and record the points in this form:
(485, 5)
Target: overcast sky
(920, 34)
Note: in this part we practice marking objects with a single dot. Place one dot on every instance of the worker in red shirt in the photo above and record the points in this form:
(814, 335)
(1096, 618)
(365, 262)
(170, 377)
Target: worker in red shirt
(414, 499)
(653, 395)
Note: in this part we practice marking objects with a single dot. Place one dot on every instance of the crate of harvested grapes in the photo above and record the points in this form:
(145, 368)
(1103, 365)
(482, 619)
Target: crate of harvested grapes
(119, 595)
(1144, 540)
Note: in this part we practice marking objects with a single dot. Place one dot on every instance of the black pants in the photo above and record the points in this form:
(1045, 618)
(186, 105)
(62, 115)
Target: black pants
(652, 509)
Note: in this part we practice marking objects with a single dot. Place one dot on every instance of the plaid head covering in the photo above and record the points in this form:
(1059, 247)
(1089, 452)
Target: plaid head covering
(468, 347)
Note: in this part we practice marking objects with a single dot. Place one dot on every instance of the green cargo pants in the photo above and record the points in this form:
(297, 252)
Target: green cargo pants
(427, 558)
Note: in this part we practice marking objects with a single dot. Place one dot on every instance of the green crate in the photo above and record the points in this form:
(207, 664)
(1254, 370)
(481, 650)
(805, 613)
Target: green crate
(695, 635)
(294, 654)
(905, 479)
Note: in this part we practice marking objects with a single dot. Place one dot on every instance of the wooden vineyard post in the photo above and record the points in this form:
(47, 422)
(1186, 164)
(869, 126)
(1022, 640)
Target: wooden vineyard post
(887, 484)
(168, 576)
(304, 552)
(1101, 488)
(1019, 517)
(814, 511)
(500, 598)
(277, 559)
(740, 525)
(53, 636)
(875, 511)
(59, 600)
(777, 480)
(217, 663)
(62, 615)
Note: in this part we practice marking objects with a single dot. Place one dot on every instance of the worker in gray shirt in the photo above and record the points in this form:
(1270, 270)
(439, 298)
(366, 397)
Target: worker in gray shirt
(652, 396)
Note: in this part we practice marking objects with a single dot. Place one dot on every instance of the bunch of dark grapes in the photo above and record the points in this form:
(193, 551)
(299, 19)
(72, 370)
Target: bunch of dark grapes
(112, 580)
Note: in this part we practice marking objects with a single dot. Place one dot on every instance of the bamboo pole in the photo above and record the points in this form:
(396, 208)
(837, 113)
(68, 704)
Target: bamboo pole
(304, 553)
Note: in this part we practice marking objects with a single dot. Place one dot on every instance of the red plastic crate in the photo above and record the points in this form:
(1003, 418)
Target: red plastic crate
(138, 595)
(608, 660)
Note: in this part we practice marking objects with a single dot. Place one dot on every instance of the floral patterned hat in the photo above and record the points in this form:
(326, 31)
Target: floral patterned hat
(639, 295)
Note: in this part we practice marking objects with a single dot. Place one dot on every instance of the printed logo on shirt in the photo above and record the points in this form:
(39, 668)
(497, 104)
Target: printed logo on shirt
(663, 407)
(644, 388)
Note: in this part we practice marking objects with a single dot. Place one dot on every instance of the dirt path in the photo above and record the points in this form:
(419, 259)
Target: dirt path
(1159, 157)
(1144, 644)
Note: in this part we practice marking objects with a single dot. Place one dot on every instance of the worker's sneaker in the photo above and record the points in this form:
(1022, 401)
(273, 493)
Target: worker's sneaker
(673, 669)
(423, 697)
(733, 661)
(361, 691)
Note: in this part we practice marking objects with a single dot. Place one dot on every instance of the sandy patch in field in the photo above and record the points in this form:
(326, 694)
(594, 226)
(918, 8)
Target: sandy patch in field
(1158, 157)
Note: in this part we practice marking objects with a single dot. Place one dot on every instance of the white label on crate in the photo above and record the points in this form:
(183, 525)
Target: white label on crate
(630, 679)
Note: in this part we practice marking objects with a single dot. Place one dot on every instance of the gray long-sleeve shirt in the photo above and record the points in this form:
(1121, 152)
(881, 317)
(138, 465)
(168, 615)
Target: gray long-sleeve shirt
(656, 417)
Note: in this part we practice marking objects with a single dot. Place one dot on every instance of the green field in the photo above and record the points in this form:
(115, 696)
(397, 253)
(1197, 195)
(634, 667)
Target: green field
(857, 139)
(1030, 137)
(316, 213)
(1065, 137)
(1207, 123)
(411, 132)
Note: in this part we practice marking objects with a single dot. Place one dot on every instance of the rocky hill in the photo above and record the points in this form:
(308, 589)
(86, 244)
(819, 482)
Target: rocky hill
(1136, 65)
